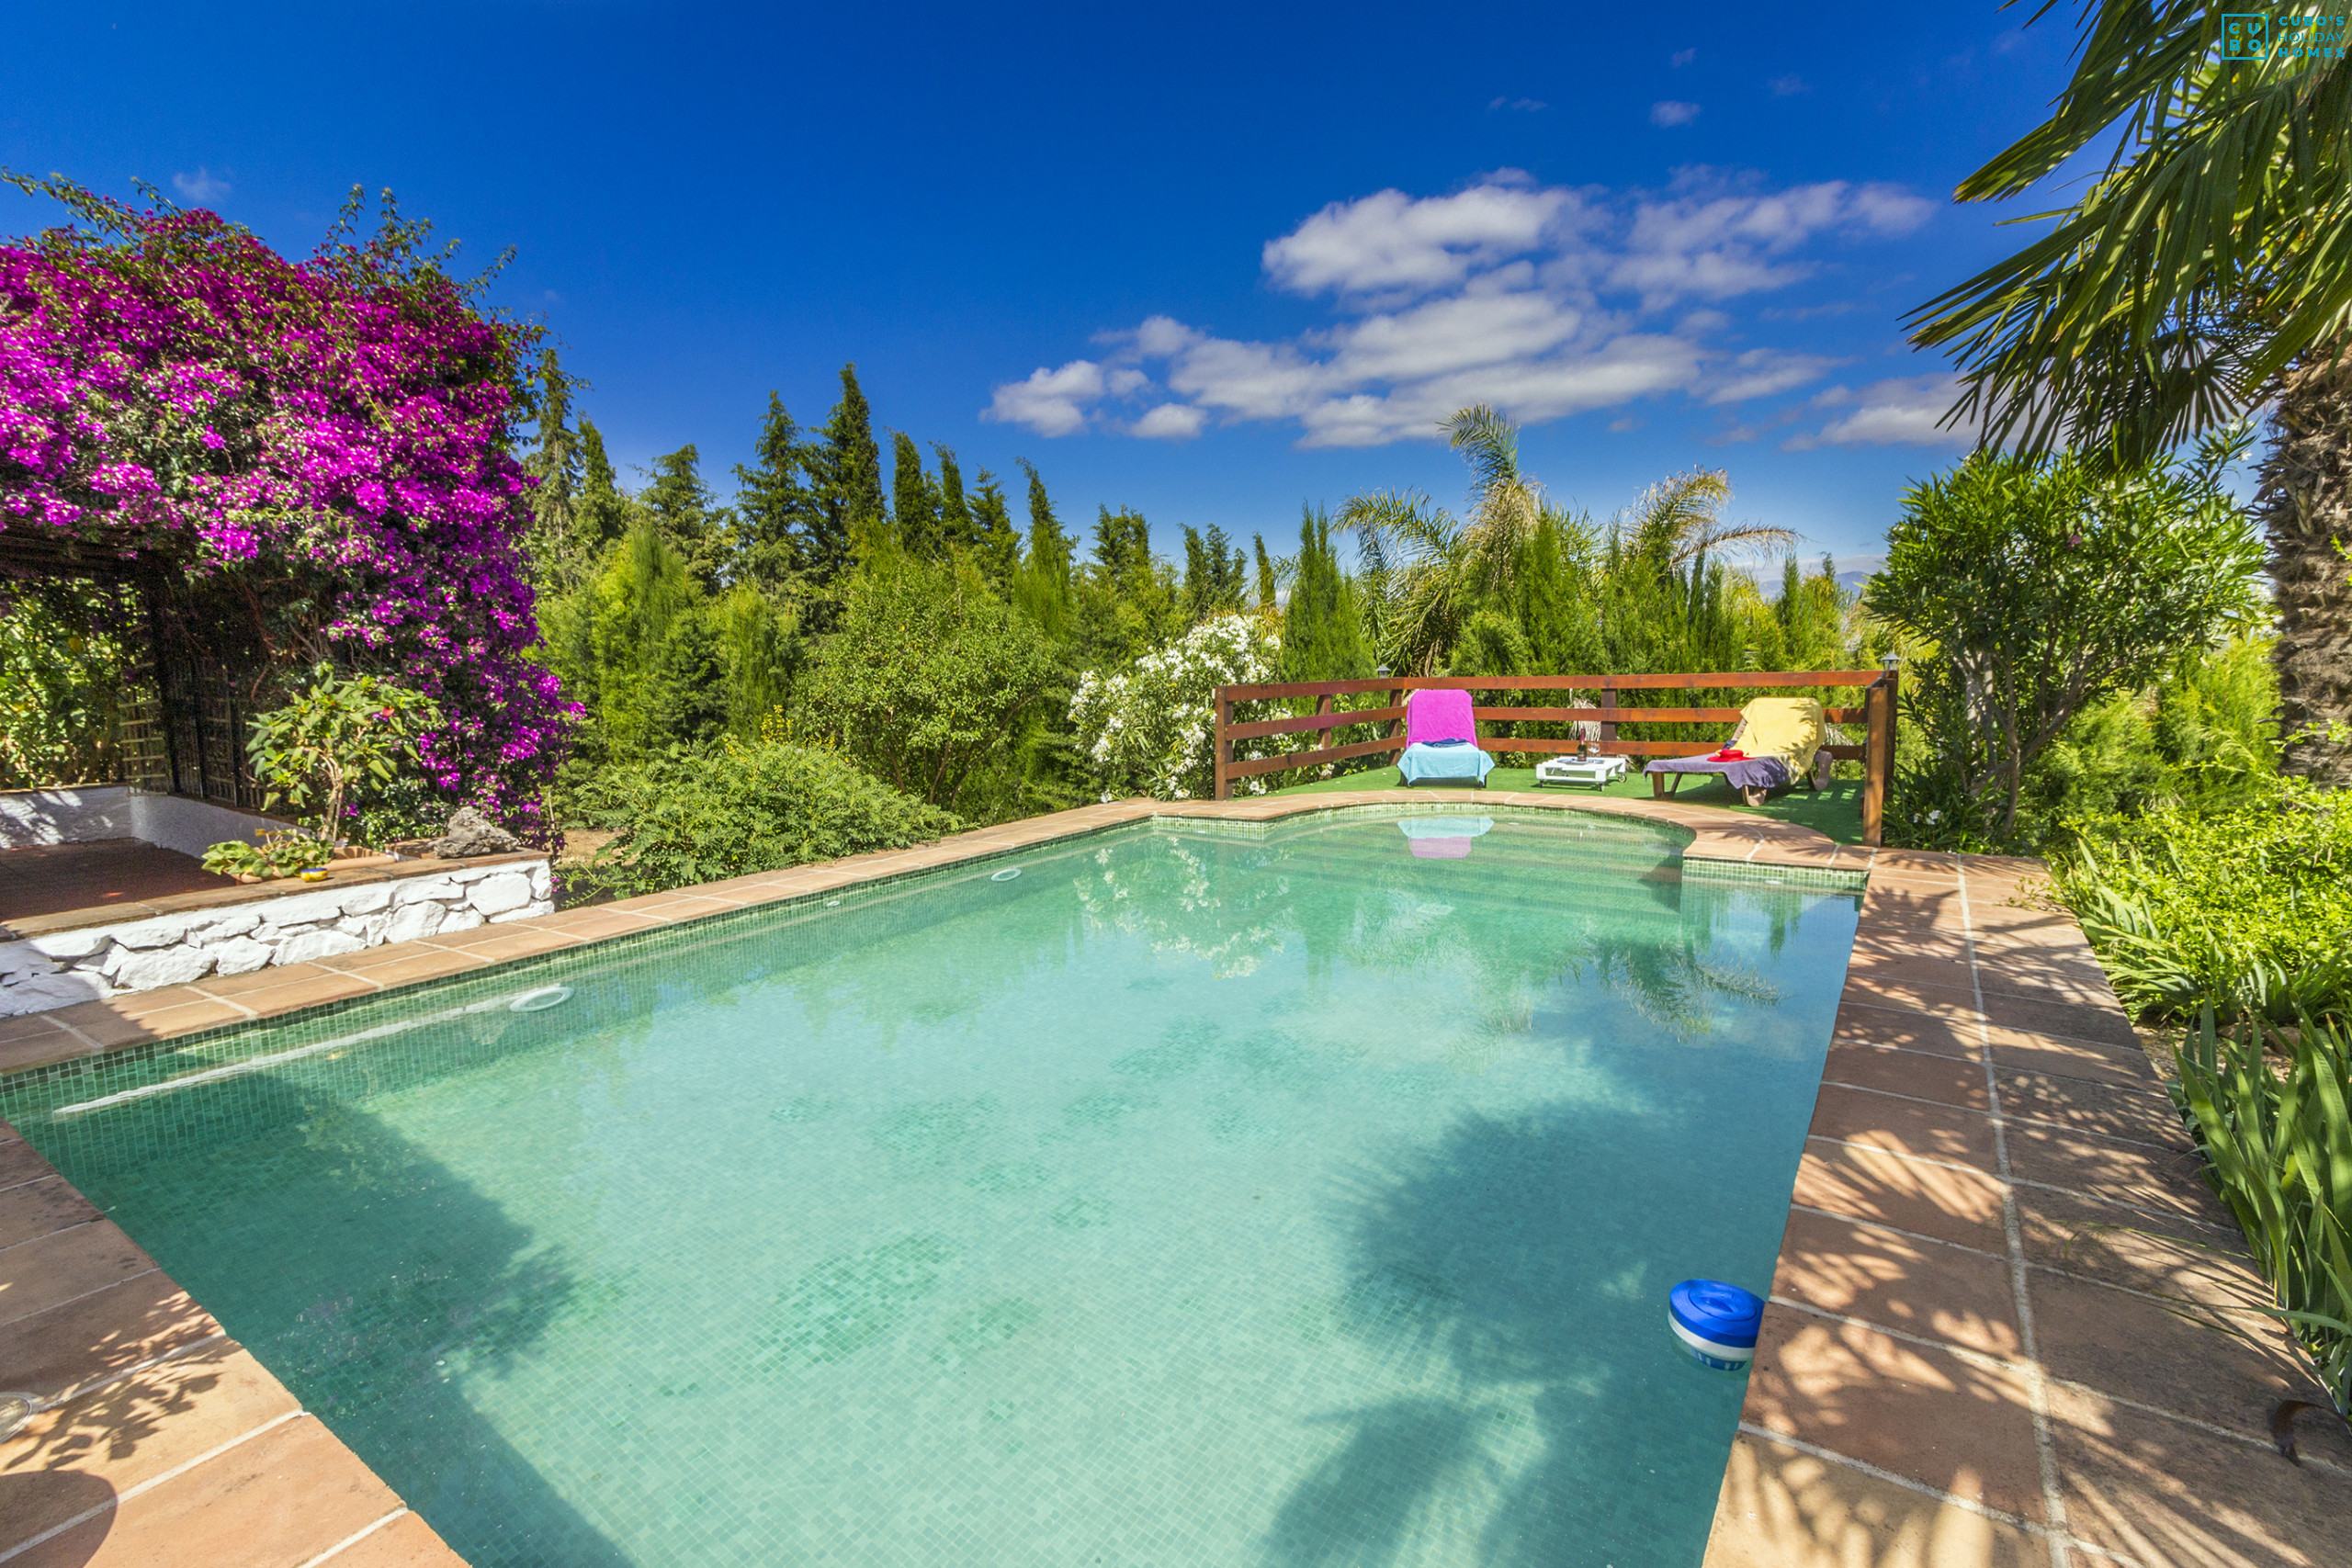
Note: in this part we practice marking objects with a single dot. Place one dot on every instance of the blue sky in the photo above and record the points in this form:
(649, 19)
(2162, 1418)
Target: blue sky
(1209, 262)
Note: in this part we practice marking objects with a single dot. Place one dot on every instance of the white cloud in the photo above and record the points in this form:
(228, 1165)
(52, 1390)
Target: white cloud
(1389, 241)
(201, 186)
(1672, 113)
(1050, 402)
(1171, 421)
(1904, 411)
(1788, 86)
(1763, 373)
(1546, 301)
(1684, 56)
(1526, 105)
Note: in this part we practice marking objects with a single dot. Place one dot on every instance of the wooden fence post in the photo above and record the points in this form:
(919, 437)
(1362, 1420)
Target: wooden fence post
(1607, 711)
(1223, 751)
(1877, 757)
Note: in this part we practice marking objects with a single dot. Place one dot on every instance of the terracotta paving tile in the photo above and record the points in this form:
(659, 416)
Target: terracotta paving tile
(375, 958)
(1866, 987)
(2164, 1254)
(1871, 967)
(234, 987)
(2054, 978)
(275, 1501)
(42, 1208)
(327, 986)
(32, 1029)
(19, 1162)
(2033, 942)
(2165, 1494)
(1918, 1287)
(99, 1334)
(99, 1025)
(430, 964)
(596, 925)
(1919, 862)
(407, 1542)
(1904, 1126)
(136, 1005)
(2014, 1052)
(132, 1431)
(2161, 1181)
(2110, 1110)
(1928, 1200)
(1948, 1080)
(1780, 1508)
(2208, 1363)
(1912, 1031)
(2074, 1021)
(38, 1275)
(1961, 1426)
(519, 942)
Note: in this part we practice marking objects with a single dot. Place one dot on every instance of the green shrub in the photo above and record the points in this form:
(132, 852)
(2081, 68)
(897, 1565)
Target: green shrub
(928, 679)
(2247, 910)
(2279, 1150)
(284, 853)
(717, 811)
(2044, 586)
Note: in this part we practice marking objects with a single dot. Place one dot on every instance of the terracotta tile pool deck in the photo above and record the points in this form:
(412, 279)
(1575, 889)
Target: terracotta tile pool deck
(2008, 1324)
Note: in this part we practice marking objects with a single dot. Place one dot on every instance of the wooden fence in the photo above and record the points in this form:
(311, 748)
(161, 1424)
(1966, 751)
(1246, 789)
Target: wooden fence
(1876, 713)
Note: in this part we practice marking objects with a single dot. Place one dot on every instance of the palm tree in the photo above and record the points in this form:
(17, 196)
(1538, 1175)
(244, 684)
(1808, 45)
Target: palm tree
(1429, 572)
(2207, 272)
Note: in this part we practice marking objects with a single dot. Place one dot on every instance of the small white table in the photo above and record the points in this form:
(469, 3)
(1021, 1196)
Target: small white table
(1593, 771)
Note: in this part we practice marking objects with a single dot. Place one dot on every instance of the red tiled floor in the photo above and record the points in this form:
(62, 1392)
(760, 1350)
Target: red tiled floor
(49, 879)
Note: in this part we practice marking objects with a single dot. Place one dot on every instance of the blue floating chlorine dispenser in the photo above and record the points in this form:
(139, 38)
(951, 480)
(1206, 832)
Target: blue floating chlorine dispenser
(1716, 1322)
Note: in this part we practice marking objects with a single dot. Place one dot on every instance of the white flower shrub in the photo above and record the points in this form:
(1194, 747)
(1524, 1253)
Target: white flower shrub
(1150, 729)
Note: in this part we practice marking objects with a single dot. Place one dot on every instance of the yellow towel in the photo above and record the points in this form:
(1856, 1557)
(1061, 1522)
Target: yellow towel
(1788, 727)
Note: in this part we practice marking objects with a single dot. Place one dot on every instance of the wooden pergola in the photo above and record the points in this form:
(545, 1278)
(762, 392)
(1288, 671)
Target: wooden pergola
(184, 714)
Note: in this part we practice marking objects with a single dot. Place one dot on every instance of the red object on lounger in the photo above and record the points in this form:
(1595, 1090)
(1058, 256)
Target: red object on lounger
(1729, 754)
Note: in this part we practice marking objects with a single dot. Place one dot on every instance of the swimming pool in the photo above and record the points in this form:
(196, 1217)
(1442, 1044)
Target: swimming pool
(1220, 1195)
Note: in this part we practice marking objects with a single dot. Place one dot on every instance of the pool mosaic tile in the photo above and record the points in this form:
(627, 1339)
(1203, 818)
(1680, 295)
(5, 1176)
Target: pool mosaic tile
(1194, 1198)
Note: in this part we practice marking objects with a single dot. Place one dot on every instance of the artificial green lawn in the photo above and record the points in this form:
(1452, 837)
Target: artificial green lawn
(1836, 811)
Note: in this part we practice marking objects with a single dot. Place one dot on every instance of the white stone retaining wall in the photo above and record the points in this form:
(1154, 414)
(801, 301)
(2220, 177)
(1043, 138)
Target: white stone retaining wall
(92, 963)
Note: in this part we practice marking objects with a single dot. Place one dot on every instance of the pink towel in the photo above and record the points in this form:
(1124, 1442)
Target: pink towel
(1438, 714)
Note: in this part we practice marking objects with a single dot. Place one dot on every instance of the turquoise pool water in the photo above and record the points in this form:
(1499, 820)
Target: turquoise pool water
(1295, 1197)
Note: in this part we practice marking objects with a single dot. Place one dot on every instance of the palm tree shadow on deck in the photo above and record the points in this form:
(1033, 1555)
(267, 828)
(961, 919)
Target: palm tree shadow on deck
(1505, 1272)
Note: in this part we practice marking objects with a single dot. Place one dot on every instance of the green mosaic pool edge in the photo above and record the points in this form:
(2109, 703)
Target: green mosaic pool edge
(1822, 877)
(627, 949)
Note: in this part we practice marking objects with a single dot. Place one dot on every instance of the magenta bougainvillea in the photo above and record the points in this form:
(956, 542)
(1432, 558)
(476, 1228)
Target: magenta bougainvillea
(171, 386)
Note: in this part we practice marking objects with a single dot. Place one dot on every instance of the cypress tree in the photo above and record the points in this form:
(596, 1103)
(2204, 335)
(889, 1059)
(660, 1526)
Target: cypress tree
(1213, 573)
(1042, 587)
(994, 540)
(1323, 638)
(604, 510)
(955, 513)
(850, 489)
(779, 514)
(1268, 578)
(558, 558)
(914, 500)
(680, 505)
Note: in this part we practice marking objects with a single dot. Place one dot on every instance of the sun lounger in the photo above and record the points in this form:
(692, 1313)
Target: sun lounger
(1780, 735)
(1441, 741)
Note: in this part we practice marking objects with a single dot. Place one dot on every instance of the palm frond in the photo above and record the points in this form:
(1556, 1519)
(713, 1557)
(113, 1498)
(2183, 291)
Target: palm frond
(2215, 250)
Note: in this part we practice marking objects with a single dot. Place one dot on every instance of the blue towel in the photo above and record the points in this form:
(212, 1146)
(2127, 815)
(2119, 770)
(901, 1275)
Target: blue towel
(1427, 759)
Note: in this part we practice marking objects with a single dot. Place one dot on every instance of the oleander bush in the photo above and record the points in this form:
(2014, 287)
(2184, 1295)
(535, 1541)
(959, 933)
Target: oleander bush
(1150, 729)
(706, 813)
